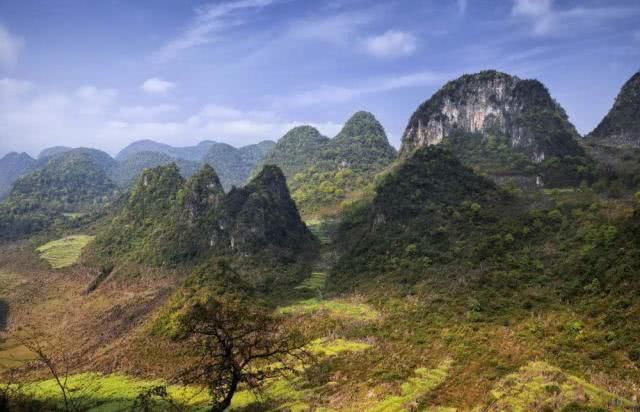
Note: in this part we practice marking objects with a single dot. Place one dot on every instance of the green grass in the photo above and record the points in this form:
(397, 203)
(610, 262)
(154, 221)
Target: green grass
(292, 394)
(316, 282)
(110, 393)
(336, 308)
(315, 227)
(549, 388)
(64, 252)
(424, 381)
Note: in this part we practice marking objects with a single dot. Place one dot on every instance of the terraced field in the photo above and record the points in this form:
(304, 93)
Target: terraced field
(64, 252)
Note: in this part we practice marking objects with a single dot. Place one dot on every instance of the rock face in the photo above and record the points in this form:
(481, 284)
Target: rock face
(12, 166)
(495, 103)
(621, 126)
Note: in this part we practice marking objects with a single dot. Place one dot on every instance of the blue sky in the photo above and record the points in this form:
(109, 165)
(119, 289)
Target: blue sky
(105, 73)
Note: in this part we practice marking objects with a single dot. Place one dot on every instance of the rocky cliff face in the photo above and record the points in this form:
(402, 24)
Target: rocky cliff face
(621, 126)
(494, 103)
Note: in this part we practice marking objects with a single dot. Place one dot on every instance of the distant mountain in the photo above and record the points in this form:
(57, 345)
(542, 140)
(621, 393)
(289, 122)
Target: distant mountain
(70, 182)
(12, 166)
(621, 126)
(168, 220)
(51, 151)
(129, 169)
(192, 153)
(233, 165)
(323, 173)
(502, 126)
(296, 150)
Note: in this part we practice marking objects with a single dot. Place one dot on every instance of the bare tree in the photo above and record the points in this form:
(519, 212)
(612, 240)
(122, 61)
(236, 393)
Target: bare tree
(239, 344)
(51, 355)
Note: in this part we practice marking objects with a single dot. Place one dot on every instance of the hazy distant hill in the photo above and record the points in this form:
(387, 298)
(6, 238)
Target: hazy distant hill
(193, 153)
(12, 166)
(129, 169)
(233, 165)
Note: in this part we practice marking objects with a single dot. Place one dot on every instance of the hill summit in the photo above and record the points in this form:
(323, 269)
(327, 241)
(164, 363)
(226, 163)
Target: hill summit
(324, 173)
(500, 125)
(621, 126)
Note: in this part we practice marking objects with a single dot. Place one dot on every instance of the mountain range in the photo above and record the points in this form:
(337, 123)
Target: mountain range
(491, 264)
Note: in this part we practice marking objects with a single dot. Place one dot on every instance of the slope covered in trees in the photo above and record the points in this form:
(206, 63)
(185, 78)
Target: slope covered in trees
(168, 221)
(324, 173)
(71, 182)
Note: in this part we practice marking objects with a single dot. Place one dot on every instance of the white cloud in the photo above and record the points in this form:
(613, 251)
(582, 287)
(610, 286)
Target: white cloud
(338, 94)
(10, 47)
(156, 85)
(546, 19)
(210, 20)
(146, 112)
(33, 119)
(391, 44)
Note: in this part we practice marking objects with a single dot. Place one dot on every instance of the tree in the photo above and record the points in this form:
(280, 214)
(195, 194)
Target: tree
(238, 343)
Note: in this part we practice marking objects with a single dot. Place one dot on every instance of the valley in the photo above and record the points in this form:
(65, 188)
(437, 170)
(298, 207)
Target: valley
(491, 264)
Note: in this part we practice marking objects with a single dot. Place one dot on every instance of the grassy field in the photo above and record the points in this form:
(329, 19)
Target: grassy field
(64, 252)
(335, 308)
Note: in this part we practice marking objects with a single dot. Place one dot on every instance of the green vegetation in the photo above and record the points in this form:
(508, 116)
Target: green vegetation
(315, 283)
(168, 221)
(64, 252)
(109, 393)
(326, 174)
(340, 309)
(540, 386)
(424, 381)
(74, 181)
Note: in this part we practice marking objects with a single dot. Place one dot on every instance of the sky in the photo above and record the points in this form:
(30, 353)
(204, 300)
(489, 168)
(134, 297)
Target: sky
(106, 73)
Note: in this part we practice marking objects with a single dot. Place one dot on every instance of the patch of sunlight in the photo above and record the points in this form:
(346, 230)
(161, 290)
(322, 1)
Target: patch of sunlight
(549, 388)
(64, 252)
(424, 381)
(336, 308)
(316, 281)
(329, 347)
(288, 394)
(95, 392)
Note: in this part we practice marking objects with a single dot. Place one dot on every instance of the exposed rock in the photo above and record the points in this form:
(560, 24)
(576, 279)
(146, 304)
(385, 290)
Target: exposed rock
(495, 103)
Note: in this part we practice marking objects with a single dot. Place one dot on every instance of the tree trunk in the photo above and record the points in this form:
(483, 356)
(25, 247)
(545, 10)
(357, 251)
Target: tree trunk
(226, 402)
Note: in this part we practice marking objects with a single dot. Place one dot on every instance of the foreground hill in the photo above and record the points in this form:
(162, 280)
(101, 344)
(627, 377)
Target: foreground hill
(323, 173)
(168, 221)
(76, 181)
(12, 166)
(503, 126)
